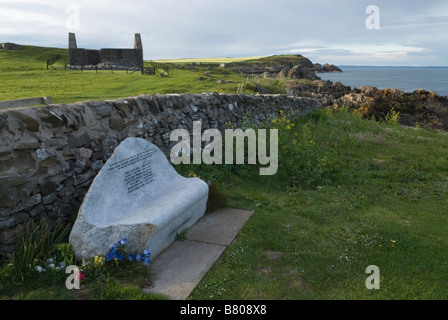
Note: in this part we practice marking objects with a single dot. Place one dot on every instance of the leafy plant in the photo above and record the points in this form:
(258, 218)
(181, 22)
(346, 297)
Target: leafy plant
(66, 253)
(302, 160)
(392, 117)
(36, 244)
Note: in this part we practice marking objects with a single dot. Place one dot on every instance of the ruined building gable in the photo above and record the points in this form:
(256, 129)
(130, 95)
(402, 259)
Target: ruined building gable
(106, 58)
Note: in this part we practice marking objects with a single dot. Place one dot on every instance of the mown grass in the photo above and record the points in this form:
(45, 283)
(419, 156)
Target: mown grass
(349, 193)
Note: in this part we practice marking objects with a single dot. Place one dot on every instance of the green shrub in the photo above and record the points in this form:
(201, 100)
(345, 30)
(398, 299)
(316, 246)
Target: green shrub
(303, 161)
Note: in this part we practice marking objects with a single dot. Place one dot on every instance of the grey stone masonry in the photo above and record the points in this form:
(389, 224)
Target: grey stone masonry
(50, 155)
(106, 58)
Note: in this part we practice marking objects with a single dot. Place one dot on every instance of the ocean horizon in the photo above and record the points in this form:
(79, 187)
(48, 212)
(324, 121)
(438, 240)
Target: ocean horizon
(408, 79)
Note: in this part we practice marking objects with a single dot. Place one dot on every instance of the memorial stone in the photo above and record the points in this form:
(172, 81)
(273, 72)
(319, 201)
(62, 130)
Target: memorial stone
(139, 196)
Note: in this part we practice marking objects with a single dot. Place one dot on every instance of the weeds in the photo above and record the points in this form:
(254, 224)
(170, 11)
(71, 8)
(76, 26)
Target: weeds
(36, 244)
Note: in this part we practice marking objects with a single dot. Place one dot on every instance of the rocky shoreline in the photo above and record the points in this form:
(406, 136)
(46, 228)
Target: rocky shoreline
(420, 108)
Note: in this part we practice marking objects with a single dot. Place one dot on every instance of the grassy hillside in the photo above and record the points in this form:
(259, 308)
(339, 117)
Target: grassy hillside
(287, 60)
(350, 193)
(206, 60)
(24, 74)
(29, 58)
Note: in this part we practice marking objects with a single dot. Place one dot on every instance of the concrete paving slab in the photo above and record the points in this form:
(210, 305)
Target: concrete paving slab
(179, 269)
(219, 227)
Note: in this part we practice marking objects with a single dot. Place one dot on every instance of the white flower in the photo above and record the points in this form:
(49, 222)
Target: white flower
(39, 269)
(51, 266)
(62, 265)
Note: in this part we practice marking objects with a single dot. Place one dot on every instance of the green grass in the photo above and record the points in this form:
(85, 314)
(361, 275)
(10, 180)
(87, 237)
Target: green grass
(206, 60)
(287, 59)
(25, 75)
(349, 193)
(385, 206)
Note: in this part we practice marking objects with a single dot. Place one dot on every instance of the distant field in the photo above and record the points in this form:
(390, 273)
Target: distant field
(24, 75)
(207, 60)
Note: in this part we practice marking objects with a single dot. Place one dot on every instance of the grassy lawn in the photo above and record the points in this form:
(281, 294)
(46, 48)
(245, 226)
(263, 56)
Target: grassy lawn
(350, 193)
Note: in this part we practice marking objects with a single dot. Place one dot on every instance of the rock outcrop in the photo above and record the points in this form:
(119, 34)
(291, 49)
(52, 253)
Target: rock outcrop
(284, 67)
(421, 107)
(9, 46)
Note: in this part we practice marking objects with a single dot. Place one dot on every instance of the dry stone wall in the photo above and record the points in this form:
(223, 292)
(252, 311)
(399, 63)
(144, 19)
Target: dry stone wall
(50, 155)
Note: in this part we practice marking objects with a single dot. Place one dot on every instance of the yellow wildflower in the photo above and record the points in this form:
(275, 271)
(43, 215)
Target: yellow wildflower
(99, 261)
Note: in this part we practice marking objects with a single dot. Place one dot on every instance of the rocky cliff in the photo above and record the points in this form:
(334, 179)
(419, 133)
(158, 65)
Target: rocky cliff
(283, 66)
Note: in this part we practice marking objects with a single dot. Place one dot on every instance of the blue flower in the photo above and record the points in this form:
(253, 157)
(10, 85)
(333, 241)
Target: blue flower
(131, 257)
(147, 260)
(139, 258)
(123, 242)
(146, 252)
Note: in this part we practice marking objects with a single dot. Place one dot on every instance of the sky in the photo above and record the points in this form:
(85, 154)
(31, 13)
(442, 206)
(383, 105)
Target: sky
(340, 32)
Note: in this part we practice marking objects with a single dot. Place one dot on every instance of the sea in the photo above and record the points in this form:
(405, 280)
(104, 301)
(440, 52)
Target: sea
(407, 79)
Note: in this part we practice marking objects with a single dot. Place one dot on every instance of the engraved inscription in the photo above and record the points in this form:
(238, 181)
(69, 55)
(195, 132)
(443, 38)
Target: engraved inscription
(127, 162)
(140, 175)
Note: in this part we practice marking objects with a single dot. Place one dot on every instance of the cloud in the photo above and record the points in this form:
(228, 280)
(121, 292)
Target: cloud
(324, 30)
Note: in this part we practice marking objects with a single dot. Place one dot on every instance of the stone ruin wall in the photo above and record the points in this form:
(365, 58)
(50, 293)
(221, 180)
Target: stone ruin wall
(50, 155)
(106, 58)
